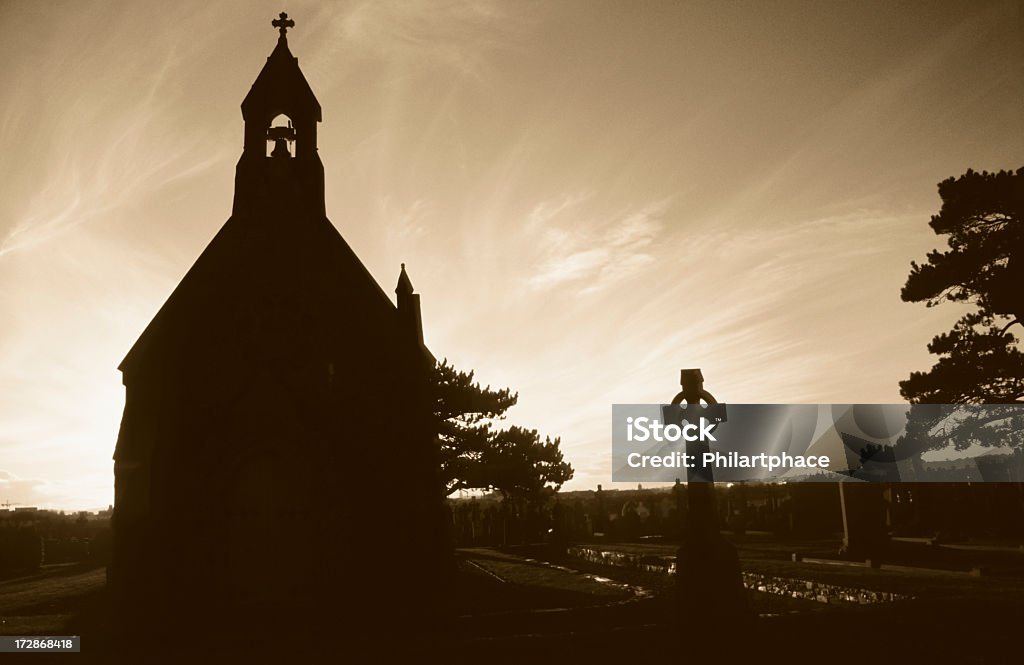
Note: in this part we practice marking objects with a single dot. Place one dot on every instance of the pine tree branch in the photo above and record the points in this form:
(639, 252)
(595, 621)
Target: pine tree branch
(1003, 330)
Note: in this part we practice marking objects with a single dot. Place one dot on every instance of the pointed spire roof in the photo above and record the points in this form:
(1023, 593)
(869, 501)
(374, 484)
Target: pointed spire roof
(293, 258)
(404, 283)
(280, 86)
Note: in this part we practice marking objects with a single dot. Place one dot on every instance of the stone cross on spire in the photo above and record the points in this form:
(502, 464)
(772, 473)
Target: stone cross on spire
(283, 23)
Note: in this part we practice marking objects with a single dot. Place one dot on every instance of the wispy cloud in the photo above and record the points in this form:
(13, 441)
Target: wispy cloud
(591, 254)
(588, 200)
(22, 491)
(455, 34)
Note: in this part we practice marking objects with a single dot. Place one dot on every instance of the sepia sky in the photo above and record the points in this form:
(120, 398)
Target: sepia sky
(588, 195)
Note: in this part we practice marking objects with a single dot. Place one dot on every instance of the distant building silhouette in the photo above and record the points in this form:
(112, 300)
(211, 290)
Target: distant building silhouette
(275, 394)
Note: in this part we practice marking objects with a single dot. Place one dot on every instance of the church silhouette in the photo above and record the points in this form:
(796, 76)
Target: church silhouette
(275, 460)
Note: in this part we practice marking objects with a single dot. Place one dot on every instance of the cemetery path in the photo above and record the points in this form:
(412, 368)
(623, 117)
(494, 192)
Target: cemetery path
(503, 595)
(527, 572)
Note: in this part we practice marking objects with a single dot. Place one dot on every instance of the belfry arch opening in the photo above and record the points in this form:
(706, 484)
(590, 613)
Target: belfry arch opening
(281, 137)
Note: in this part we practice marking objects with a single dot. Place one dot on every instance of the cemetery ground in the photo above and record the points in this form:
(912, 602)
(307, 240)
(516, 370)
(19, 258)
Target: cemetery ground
(47, 601)
(540, 604)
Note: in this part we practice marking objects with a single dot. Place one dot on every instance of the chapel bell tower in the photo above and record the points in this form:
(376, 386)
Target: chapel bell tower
(279, 163)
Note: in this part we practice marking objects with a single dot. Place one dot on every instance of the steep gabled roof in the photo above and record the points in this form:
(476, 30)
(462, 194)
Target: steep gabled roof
(277, 247)
(281, 88)
(239, 254)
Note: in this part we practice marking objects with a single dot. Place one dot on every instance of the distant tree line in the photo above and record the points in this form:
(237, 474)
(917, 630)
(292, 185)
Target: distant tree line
(29, 540)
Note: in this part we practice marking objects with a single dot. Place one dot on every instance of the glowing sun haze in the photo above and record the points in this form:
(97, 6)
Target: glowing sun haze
(589, 196)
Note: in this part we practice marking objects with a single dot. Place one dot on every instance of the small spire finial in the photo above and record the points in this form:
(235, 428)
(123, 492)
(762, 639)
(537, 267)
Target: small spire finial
(404, 283)
(283, 23)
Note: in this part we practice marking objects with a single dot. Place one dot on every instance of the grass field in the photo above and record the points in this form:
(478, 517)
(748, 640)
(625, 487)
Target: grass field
(46, 602)
(523, 604)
